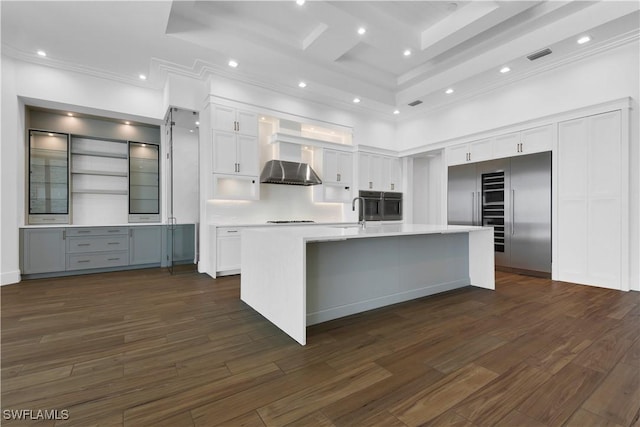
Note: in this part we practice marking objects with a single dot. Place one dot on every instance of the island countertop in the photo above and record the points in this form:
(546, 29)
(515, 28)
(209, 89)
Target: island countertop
(354, 231)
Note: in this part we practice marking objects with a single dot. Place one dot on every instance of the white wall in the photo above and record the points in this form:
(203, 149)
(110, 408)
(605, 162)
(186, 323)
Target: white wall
(611, 75)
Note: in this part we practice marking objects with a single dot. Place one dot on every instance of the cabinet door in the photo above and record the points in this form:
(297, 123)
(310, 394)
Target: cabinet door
(481, 150)
(228, 253)
(462, 196)
(375, 172)
(224, 152)
(363, 171)
(330, 166)
(247, 123)
(224, 118)
(506, 145)
(537, 140)
(345, 168)
(247, 155)
(457, 155)
(385, 174)
(43, 250)
(145, 245)
(395, 175)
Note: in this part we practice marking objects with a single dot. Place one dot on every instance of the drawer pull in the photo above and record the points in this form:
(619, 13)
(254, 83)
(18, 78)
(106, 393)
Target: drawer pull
(232, 231)
(84, 231)
(113, 231)
(113, 243)
(84, 244)
(113, 259)
(84, 260)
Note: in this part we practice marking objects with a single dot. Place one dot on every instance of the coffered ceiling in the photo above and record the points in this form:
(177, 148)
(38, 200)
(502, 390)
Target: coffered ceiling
(408, 51)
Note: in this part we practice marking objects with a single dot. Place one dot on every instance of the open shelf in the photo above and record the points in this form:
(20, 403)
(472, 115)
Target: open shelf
(89, 191)
(99, 154)
(96, 172)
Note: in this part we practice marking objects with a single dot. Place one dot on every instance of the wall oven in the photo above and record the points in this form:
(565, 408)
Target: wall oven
(391, 206)
(372, 205)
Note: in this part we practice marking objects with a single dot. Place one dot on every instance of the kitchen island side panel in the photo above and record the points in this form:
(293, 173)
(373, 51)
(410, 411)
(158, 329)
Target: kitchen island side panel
(353, 276)
(272, 280)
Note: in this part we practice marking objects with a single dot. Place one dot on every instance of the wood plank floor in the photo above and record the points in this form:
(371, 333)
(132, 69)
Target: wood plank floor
(144, 348)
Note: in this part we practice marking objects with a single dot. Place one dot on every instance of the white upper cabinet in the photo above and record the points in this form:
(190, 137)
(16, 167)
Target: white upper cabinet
(235, 141)
(379, 173)
(336, 171)
(529, 141)
(233, 120)
(476, 151)
(391, 174)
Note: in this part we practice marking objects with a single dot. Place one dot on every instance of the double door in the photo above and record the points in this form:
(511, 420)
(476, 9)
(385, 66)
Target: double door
(514, 197)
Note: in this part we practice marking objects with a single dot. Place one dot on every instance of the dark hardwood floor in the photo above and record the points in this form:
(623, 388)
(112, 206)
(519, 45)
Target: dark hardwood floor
(145, 348)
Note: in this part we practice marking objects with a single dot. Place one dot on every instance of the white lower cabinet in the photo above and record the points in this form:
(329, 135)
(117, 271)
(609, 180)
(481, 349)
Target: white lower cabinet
(227, 251)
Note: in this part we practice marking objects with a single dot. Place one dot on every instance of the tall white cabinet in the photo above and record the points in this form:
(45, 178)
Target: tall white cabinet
(592, 213)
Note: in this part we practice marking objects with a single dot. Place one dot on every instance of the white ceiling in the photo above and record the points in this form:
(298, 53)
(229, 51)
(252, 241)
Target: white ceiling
(460, 45)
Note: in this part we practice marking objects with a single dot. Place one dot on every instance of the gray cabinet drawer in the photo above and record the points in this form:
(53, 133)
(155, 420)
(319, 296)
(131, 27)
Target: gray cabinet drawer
(97, 231)
(97, 260)
(97, 243)
(224, 231)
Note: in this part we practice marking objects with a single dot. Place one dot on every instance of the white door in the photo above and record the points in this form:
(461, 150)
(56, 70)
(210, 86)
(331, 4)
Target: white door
(364, 161)
(457, 155)
(247, 123)
(506, 145)
(224, 118)
(345, 167)
(537, 140)
(330, 166)
(375, 172)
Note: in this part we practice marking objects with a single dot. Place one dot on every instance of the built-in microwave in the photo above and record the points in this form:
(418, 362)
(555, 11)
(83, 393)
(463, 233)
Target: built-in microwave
(372, 205)
(391, 206)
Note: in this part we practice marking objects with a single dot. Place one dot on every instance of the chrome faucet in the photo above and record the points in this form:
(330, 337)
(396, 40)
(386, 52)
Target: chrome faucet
(362, 222)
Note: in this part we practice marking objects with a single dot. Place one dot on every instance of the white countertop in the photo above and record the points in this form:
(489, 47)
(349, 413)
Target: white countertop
(353, 231)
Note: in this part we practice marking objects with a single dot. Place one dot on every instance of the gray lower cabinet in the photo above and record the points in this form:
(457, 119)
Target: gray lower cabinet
(43, 250)
(145, 245)
(72, 250)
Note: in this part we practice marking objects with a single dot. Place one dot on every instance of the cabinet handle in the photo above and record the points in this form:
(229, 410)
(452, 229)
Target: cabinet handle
(238, 167)
(84, 244)
(338, 177)
(113, 259)
(370, 185)
(84, 260)
(513, 212)
(84, 231)
(232, 231)
(64, 234)
(393, 186)
(113, 243)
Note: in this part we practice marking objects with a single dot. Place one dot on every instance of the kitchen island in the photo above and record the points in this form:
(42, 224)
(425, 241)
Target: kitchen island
(301, 276)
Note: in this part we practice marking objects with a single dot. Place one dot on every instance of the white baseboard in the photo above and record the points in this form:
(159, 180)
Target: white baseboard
(8, 278)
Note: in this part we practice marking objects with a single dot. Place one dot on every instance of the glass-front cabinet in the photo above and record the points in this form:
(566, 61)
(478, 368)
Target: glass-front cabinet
(48, 178)
(144, 182)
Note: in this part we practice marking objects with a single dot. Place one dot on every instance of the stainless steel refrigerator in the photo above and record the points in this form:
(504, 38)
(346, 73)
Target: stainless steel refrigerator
(514, 197)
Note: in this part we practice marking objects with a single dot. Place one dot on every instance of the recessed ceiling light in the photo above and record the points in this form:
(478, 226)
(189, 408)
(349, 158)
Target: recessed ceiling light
(50, 134)
(407, 52)
(70, 114)
(302, 84)
(448, 91)
(396, 112)
(142, 77)
(197, 123)
(356, 100)
(505, 70)
(233, 63)
(191, 130)
(299, 2)
(41, 53)
(143, 145)
(262, 118)
(362, 30)
(127, 123)
(584, 39)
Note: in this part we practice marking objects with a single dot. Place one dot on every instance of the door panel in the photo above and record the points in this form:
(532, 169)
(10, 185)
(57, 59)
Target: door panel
(531, 212)
(462, 195)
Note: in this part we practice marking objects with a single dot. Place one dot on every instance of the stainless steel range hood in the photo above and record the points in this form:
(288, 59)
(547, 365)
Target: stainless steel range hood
(291, 173)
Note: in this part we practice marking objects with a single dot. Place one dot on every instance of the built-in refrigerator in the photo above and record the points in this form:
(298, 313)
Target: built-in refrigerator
(513, 196)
